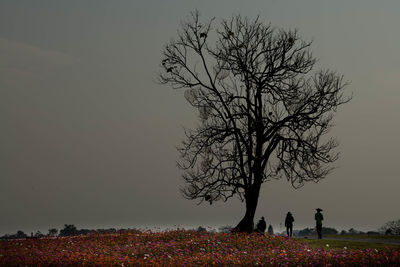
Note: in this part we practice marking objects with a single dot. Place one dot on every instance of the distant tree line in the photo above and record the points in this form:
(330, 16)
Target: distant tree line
(333, 231)
(312, 231)
(390, 228)
(68, 230)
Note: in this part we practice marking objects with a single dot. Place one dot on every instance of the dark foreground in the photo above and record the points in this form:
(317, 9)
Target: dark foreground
(182, 247)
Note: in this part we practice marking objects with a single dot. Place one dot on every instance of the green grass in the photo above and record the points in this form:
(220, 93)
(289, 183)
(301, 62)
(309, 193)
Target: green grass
(340, 244)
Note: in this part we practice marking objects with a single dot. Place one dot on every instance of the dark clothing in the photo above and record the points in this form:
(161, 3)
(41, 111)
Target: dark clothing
(261, 226)
(289, 230)
(289, 224)
(289, 220)
(318, 219)
(319, 231)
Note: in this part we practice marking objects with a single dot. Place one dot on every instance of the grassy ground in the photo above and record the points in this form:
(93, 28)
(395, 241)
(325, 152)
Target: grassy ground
(340, 244)
(390, 237)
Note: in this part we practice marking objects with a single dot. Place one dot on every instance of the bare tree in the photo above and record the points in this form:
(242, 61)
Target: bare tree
(263, 113)
(392, 227)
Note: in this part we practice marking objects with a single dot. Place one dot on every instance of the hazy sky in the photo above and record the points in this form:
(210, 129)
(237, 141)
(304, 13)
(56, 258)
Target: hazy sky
(88, 137)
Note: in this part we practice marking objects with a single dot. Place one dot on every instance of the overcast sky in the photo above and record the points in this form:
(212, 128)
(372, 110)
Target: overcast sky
(88, 137)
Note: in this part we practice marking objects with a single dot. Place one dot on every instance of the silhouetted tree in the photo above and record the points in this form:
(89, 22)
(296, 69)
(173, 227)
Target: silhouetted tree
(263, 113)
(329, 231)
(69, 230)
(391, 228)
(52, 232)
(38, 234)
(311, 231)
(307, 232)
(6, 236)
(20, 234)
(353, 231)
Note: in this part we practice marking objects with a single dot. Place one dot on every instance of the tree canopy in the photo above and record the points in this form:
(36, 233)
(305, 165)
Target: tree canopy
(263, 112)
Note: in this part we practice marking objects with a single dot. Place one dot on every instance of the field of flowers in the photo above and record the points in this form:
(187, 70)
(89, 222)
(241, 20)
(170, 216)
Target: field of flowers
(183, 247)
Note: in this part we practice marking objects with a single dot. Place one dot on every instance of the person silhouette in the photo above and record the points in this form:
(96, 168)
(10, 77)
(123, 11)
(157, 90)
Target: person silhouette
(318, 219)
(289, 224)
(261, 225)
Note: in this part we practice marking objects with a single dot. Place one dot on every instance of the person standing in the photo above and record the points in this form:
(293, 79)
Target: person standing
(318, 220)
(261, 226)
(289, 224)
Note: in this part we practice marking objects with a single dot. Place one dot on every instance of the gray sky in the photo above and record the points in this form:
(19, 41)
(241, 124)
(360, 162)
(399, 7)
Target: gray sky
(88, 137)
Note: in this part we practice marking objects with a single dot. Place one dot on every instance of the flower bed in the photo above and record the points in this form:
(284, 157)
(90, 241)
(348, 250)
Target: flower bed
(182, 247)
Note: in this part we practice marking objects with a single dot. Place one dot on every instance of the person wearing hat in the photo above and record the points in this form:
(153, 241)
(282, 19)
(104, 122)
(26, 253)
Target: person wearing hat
(289, 224)
(318, 219)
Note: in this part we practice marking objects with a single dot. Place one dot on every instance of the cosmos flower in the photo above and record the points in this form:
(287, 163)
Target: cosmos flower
(184, 248)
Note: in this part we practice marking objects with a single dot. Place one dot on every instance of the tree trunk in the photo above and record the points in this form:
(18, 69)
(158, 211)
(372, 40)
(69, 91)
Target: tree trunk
(247, 223)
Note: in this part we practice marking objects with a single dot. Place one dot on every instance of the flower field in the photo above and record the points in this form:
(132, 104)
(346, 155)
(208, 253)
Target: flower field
(182, 247)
